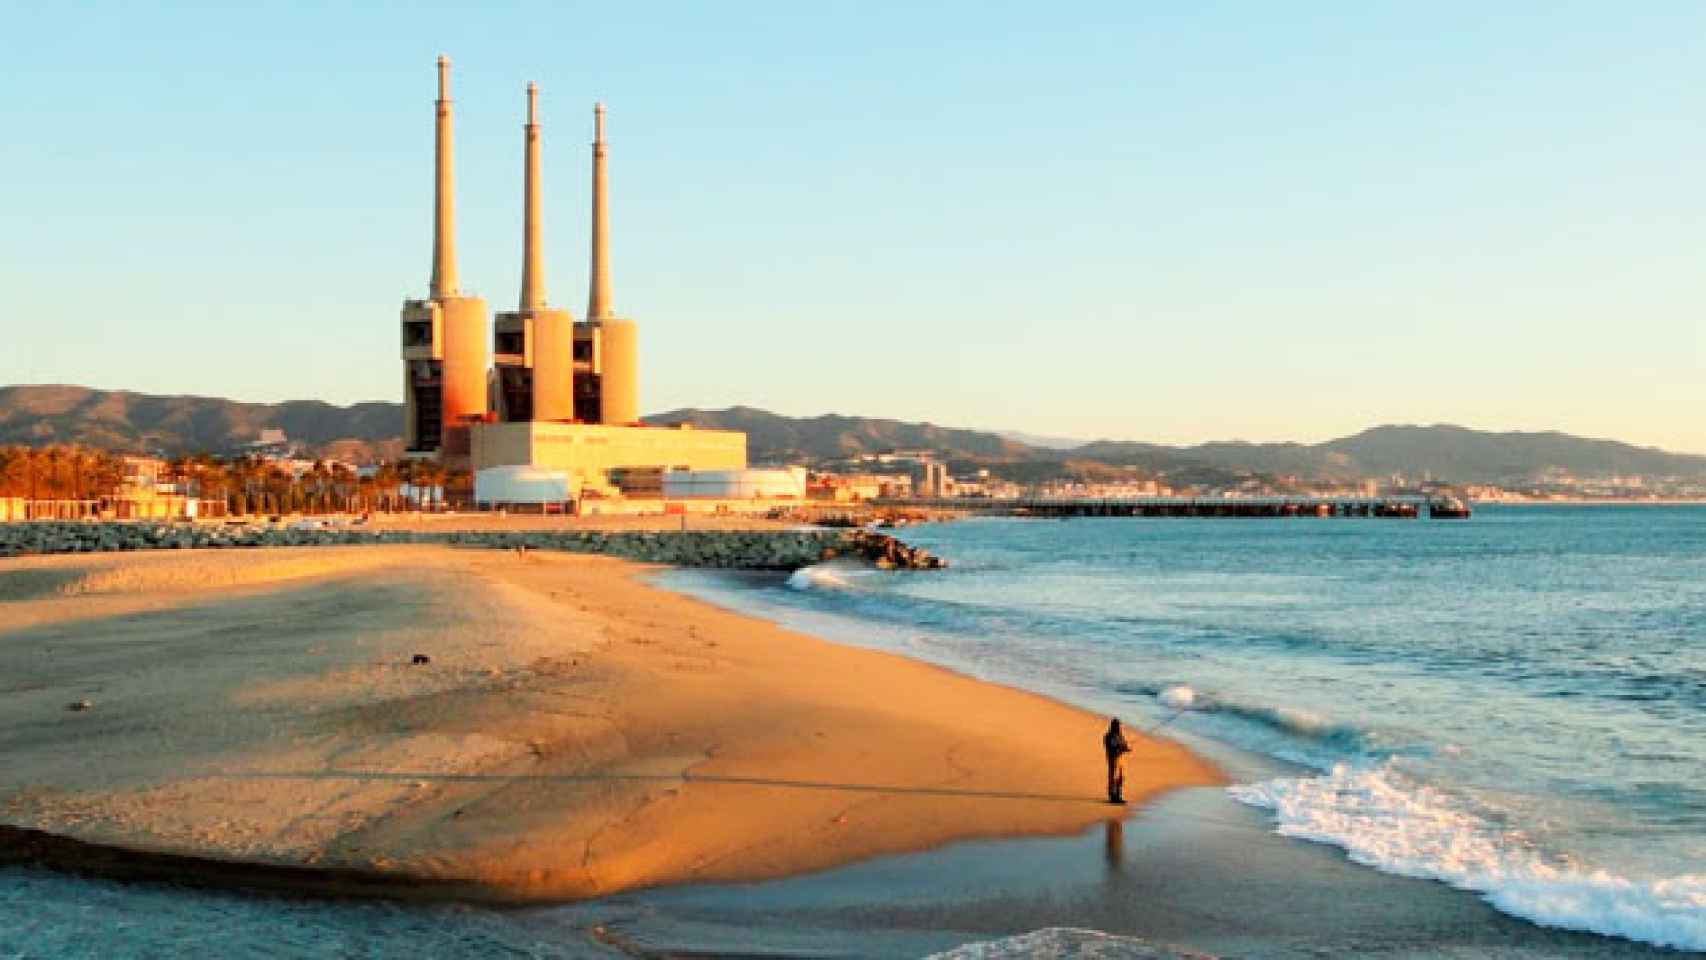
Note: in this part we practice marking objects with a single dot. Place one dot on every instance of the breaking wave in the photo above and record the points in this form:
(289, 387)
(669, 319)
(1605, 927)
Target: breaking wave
(1178, 697)
(1059, 943)
(1382, 819)
(823, 576)
(1297, 724)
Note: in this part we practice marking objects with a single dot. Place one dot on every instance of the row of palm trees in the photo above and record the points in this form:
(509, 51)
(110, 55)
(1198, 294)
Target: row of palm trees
(248, 485)
(256, 486)
(59, 472)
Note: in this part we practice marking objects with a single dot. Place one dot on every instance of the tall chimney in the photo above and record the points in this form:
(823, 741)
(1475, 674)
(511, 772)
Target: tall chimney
(444, 202)
(598, 302)
(552, 328)
(532, 248)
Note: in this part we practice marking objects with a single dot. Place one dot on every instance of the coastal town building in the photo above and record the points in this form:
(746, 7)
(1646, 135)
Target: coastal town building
(271, 444)
(937, 481)
(850, 487)
(558, 397)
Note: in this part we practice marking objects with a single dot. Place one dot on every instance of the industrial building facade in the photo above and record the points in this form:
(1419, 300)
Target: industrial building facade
(535, 388)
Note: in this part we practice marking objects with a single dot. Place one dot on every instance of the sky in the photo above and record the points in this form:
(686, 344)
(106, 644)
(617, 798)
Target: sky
(1165, 222)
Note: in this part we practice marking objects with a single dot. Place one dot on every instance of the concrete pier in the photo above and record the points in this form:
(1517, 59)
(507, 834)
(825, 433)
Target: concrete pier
(1394, 508)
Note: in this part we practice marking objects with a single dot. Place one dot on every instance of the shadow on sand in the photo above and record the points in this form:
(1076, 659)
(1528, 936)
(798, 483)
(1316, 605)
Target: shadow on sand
(685, 778)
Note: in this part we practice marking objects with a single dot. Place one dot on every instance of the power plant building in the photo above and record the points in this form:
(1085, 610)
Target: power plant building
(556, 395)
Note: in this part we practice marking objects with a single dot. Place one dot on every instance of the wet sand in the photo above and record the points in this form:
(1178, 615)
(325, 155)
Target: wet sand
(1192, 871)
(575, 732)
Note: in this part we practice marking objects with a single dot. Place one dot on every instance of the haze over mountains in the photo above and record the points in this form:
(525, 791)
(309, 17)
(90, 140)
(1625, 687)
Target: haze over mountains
(125, 421)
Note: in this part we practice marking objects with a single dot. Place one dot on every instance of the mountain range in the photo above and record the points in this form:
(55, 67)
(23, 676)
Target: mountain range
(1443, 451)
(173, 425)
(124, 421)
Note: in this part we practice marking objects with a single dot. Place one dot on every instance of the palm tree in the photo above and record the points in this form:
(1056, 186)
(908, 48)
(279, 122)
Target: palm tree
(252, 483)
(384, 480)
(343, 486)
(52, 460)
(279, 484)
(32, 466)
(14, 471)
(103, 472)
(365, 488)
(77, 460)
(215, 481)
(314, 482)
(409, 472)
(433, 475)
(461, 483)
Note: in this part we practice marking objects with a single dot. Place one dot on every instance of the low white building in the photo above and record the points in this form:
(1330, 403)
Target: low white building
(788, 483)
(503, 486)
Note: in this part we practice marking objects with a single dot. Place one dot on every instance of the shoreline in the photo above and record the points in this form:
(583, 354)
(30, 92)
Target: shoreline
(1194, 872)
(682, 743)
(1590, 502)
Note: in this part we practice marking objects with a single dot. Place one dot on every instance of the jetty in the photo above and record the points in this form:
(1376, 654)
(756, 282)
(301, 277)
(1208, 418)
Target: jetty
(759, 549)
(1388, 508)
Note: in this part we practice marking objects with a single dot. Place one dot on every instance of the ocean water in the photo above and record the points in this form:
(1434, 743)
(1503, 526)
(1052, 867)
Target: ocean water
(1512, 706)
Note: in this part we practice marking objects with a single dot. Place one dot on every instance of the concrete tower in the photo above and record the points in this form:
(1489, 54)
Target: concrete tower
(532, 249)
(598, 299)
(617, 348)
(443, 192)
(444, 336)
(535, 344)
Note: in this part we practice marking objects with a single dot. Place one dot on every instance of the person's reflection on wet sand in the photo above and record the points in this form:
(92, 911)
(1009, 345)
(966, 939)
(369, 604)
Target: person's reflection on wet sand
(1115, 849)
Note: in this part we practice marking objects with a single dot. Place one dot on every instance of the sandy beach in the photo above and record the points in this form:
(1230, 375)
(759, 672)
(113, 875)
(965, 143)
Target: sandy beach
(573, 733)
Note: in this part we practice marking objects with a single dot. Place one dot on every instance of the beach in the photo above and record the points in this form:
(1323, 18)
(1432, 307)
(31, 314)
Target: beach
(569, 732)
(578, 772)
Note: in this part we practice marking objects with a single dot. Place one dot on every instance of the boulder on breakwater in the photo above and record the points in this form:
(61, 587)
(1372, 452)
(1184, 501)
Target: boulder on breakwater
(728, 549)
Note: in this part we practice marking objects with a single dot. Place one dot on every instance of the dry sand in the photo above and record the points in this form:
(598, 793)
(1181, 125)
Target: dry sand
(576, 732)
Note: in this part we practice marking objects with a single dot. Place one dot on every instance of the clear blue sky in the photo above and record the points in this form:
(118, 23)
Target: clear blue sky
(1208, 220)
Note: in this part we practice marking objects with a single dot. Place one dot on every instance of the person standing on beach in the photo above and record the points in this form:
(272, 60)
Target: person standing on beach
(1116, 747)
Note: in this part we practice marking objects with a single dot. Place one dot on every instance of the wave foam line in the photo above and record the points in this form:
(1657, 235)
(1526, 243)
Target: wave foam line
(1417, 831)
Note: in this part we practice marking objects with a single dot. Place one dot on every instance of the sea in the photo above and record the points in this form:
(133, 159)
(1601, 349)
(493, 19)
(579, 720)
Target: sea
(1446, 738)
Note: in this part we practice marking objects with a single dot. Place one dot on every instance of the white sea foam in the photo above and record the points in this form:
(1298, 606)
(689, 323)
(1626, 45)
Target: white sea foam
(1058, 943)
(1383, 820)
(1177, 697)
(820, 576)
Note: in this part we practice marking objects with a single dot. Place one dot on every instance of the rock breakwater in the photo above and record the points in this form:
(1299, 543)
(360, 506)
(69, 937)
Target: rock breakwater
(727, 549)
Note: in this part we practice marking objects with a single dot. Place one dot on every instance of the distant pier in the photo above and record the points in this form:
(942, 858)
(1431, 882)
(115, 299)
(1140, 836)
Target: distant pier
(1392, 508)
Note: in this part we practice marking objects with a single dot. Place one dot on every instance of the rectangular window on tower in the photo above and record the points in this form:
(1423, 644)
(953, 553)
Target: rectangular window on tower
(417, 333)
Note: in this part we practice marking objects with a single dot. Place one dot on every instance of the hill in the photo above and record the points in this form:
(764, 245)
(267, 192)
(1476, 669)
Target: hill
(1449, 451)
(1442, 451)
(777, 438)
(125, 421)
